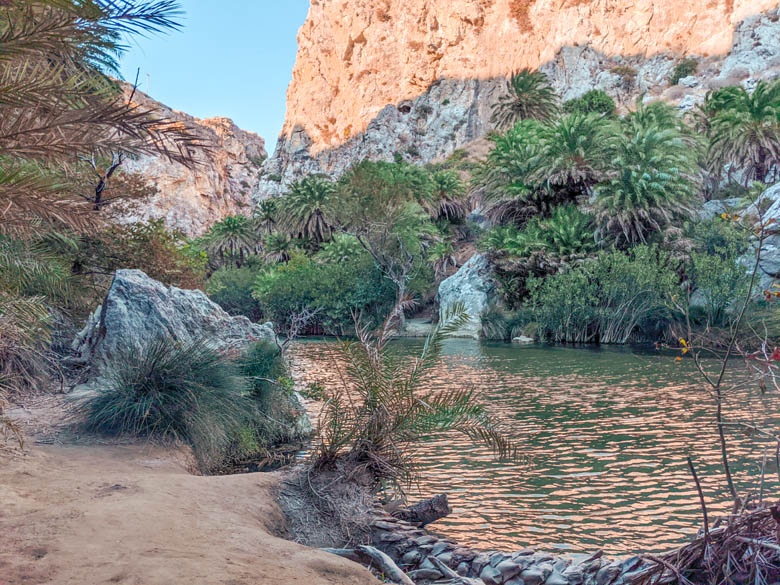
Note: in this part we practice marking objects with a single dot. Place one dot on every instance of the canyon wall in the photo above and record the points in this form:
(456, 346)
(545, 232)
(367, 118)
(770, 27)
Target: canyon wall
(221, 184)
(419, 77)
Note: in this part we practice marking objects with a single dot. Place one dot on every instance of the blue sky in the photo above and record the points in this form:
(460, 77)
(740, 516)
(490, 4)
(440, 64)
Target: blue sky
(232, 58)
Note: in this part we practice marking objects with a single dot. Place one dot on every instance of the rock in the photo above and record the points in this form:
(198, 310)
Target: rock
(138, 309)
(426, 574)
(523, 340)
(420, 77)
(193, 199)
(556, 579)
(472, 286)
(607, 575)
(690, 81)
(412, 558)
(533, 576)
(491, 576)
(717, 207)
(509, 569)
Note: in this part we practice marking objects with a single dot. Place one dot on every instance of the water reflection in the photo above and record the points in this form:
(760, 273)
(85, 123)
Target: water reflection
(606, 431)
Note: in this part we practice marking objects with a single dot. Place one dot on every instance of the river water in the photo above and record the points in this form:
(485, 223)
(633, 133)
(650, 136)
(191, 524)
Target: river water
(605, 434)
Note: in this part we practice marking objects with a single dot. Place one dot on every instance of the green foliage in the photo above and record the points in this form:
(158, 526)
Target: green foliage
(231, 240)
(164, 255)
(568, 232)
(595, 101)
(195, 394)
(335, 289)
(684, 68)
(650, 190)
(448, 196)
(374, 420)
(187, 393)
(744, 129)
(342, 248)
(534, 167)
(718, 277)
(307, 211)
(529, 95)
(278, 247)
(609, 299)
(231, 289)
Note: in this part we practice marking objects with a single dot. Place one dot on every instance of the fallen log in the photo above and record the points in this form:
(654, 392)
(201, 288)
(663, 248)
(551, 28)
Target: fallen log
(425, 512)
(368, 555)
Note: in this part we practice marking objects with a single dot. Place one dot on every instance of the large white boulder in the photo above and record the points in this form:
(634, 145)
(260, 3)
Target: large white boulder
(472, 286)
(138, 309)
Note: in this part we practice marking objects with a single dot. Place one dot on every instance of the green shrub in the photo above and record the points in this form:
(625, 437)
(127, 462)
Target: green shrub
(567, 232)
(231, 289)
(683, 68)
(595, 101)
(190, 393)
(718, 278)
(263, 367)
(610, 299)
(335, 289)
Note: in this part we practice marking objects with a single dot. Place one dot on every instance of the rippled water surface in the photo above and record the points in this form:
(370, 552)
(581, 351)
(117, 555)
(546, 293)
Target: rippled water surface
(606, 433)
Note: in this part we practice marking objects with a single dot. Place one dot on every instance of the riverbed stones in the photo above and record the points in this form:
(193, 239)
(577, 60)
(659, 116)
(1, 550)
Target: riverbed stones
(491, 576)
(417, 547)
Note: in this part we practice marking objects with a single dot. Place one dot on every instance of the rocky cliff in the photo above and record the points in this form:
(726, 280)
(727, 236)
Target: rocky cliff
(192, 199)
(419, 77)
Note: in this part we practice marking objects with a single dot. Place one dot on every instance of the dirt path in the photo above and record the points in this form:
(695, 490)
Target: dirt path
(133, 515)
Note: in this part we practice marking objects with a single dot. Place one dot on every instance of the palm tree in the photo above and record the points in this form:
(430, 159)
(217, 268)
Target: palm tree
(442, 255)
(529, 95)
(744, 129)
(59, 103)
(448, 192)
(573, 154)
(233, 237)
(650, 187)
(342, 248)
(306, 210)
(264, 216)
(277, 247)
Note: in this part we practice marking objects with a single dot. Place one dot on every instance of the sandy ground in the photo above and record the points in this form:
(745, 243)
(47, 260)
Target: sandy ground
(88, 514)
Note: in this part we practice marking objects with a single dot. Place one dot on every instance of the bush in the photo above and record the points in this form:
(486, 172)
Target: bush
(595, 101)
(231, 289)
(569, 232)
(611, 299)
(187, 393)
(270, 387)
(683, 68)
(336, 289)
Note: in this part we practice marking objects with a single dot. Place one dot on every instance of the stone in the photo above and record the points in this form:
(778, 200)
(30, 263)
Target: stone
(690, 81)
(471, 286)
(191, 200)
(420, 77)
(491, 576)
(717, 207)
(532, 576)
(412, 558)
(425, 574)
(440, 547)
(523, 340)
(606, 575)
(556, 578)
(463, 569)
(445, 557)
(139, 309)
(509, 569)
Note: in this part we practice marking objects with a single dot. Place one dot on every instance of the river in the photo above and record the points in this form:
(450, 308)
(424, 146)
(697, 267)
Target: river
(604, 434)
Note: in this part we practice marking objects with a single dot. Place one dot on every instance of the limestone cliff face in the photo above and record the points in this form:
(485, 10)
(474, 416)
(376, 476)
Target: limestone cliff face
(193, 199)
(420, 76)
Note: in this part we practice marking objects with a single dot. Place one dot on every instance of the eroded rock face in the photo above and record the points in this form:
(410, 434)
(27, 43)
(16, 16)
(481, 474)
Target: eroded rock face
(420, 77)
(138, 309)
(193, 199)
(473, 287)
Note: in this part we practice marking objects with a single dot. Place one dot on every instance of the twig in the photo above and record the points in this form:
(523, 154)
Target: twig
(703, 504)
